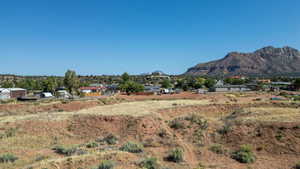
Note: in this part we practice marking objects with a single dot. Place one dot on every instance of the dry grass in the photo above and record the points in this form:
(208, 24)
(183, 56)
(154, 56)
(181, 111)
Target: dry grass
(272, 114)
(137, 108)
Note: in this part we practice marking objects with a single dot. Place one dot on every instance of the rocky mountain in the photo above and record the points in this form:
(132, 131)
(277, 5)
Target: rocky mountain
(265, 61)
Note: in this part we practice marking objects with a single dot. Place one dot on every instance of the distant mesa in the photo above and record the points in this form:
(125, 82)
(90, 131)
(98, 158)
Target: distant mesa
(263, 62)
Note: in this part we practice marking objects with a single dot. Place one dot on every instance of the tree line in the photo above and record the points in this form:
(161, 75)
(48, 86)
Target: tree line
(126, 83)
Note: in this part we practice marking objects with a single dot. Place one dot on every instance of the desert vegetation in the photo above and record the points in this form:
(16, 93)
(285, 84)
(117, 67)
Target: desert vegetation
(210, 131)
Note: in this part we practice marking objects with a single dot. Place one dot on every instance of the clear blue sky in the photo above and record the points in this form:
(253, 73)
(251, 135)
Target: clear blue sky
(47, 37)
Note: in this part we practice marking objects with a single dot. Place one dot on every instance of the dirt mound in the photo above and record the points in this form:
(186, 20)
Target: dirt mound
(136, 128)
(273, 138)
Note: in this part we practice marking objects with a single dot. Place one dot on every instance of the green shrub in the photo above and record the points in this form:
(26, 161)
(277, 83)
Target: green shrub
(297, 166)
(175, 155)
(41, 158)
(68, 151)
(111, 139)
(92, 145)
(194, 118)
(244, 154)
(176, 124)
(218, 149)
(107, 164)
(225, 129)
(162, 133)
(200, 166)
(149, 163)
(6, 158)
(132, 147)
(11, 132)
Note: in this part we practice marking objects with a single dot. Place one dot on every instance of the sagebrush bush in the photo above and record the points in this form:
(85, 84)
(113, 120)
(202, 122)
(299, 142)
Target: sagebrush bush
(6, 158)
(176, 155)
(107, 164)
(111, 139)
(176, 124)
(225, 129)
(244, 154)
(132, 147)
(92, 145)
(11, 132)
(149, 163)
(68, 151)
(218, 149)
(200, 121)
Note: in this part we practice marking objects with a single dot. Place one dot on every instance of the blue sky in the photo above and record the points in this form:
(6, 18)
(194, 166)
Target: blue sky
(47, 37)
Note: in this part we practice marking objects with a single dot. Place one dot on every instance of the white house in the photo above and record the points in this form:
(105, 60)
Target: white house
(4, 94)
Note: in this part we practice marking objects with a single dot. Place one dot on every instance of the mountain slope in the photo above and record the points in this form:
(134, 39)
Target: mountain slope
(265, 61)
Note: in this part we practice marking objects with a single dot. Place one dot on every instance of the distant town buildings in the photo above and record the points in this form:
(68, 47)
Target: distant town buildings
(12, 93)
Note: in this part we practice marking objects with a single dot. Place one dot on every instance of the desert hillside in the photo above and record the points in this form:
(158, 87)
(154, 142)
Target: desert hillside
(266, 61)
(190, 131)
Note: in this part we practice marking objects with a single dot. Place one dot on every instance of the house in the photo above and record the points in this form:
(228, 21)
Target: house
(96, 85)
(111, 89)
(63, 94)
(92, 90)
(17, 92)
(230, 88)
(264, 81)
(281, 83)
(201, 91)
(12, 93)
(152, 89)
(238, 77)
(4, 94)
(277, 86)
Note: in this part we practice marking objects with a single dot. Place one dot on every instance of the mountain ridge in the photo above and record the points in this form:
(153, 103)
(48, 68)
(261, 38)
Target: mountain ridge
(265, 61)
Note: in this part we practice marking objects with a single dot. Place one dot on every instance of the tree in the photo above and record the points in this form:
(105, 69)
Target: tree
(179, 84)
(234, 81)
(199, 82)
(71, 81)
(297, 83)
(166, 83)
(131, 87)
(210, 83)
(49, 84)
(125, 77)
(7, 84)
(28, 84)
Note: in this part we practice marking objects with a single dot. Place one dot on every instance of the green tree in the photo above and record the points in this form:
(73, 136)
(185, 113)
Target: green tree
(71, 81)
(179, 84)
(49, 84)
(297, 83)
(210, 83)
(199, 82)
(131, 87)
(125, 77)
(28, 84)
(7, 84)
(166, 83)
(234, 81)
